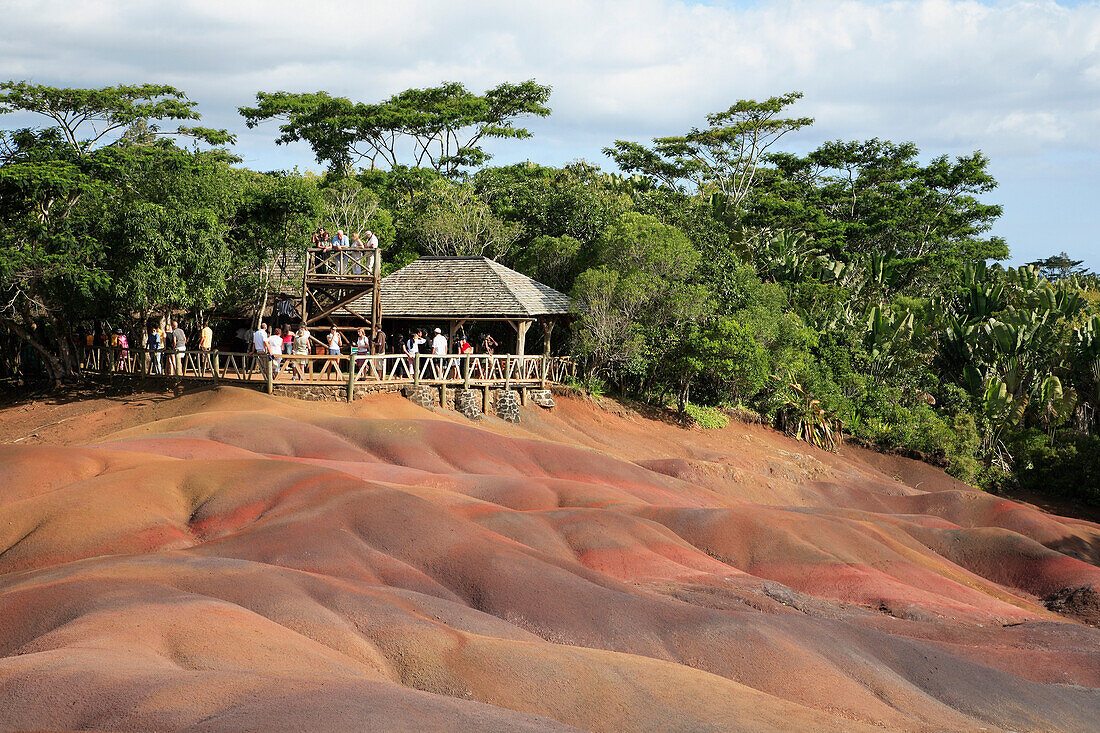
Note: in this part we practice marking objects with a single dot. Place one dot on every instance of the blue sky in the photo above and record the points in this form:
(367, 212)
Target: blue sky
(1018, 80)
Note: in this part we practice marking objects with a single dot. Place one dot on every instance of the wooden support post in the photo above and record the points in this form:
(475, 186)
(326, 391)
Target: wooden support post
(216, 358)
(465, 372)
(507, 372)
(523, 396)
(547, 329)
(543, 368)
(521, 335)
(416, 370)
(452, 328)
(443, 395)
(351, 378)
(270, 375)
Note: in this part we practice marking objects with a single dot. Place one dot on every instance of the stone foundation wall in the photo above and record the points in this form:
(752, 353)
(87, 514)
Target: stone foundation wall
(504, 404)
(507, 405)
(331, 392)
(468, 403)
(423, 395)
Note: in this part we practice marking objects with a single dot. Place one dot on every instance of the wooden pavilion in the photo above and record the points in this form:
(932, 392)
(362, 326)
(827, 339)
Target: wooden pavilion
(460, 290)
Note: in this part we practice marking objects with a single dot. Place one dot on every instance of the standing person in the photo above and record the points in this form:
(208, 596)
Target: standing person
(206, 338)
(169, 339)
(340, 243)
(179, 338)
(362, 344)
(439, 352)
(153, 345)
(206, 342)
(275, 350)
(378, 348)
(321, 242)
(335, 342)
(301, 348)
(371, 247)
(123, 350)
(488, 344)
(259, 347)
(411, 347)
(356, 254)
(464, 345)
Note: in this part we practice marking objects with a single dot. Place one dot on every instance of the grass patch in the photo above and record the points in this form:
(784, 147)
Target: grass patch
(707, 417)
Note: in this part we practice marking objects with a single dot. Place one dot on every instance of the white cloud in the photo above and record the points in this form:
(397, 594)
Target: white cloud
(1016, 79)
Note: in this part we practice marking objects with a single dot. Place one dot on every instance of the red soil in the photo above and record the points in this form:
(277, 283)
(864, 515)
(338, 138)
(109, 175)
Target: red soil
(227, 560)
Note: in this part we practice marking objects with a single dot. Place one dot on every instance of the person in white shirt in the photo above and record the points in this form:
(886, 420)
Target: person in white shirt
(363, 345)
(275, 349)
(439, 350)
(411, 347)
(439, 343)
(335, 341)
(259, 346)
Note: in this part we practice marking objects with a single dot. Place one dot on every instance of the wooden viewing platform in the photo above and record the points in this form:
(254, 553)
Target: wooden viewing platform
(333, 279)
(453, 370)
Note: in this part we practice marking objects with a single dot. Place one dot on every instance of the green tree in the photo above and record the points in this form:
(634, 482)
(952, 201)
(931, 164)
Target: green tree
(442, 127)
(452, 219)
(859, 198)
(722, 353)
(57, 184)
(635, 303)
(1060, 267)
(724, 156)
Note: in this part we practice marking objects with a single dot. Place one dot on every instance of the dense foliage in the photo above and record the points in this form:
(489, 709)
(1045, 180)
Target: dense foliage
(848, 290)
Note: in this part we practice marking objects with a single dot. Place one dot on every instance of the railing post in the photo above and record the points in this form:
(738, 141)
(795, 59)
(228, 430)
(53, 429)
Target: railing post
(416, 370)
(216, 365)
(466, 372)
(351, 377)
(270, 369)
(545, 368)
(507, 372)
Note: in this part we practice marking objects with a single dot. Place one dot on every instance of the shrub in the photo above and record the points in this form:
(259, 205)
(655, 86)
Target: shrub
(1070, 467)
(707, 417)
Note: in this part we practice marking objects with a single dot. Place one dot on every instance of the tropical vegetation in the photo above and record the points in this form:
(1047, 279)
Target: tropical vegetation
(853, 290)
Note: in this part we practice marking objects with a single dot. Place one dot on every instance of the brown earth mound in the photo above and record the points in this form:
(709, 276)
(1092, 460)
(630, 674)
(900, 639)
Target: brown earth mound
(228, 560)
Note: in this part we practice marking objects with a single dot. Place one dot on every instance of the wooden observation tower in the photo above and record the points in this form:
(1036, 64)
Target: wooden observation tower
(332, 279)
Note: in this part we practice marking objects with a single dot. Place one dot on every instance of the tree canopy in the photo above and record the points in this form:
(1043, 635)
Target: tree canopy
(441, 127)
(847, 290)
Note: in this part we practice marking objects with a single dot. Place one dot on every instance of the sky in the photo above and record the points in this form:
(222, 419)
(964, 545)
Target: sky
(1019, 81)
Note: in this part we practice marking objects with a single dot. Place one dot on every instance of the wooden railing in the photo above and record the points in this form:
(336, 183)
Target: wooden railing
(468, 370)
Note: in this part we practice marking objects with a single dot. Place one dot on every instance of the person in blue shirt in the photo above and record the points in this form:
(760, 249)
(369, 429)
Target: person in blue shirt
(154, 346)
(340, 243)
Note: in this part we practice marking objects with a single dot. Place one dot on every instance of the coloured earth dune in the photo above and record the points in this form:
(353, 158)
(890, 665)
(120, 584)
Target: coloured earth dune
(227, 560)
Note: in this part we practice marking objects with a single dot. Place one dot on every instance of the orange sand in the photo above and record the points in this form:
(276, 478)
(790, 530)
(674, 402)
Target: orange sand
(225, 559)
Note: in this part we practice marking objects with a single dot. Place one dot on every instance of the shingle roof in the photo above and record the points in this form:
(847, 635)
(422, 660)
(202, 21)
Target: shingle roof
(463, 287)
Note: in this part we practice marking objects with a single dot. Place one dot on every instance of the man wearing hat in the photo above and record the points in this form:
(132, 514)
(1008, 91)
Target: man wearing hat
(439, 350)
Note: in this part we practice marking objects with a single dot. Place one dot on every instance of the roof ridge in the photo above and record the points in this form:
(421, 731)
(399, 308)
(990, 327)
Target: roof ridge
(493, 265)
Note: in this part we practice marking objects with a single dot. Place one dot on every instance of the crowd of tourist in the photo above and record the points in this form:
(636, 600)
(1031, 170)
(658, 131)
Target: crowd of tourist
(341, 256)
(274, 343)
(165, 343)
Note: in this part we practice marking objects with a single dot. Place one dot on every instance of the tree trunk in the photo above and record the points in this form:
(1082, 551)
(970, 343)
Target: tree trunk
(53, 365)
